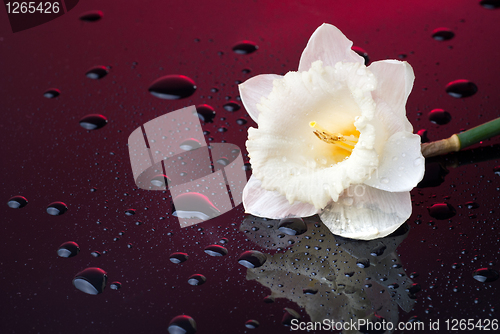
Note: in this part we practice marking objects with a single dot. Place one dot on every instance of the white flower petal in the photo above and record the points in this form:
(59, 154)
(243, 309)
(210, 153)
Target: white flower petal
(270, 204)
(394, 83)
(329, 45)
(366, 213)
(254, 89)
(401, 164)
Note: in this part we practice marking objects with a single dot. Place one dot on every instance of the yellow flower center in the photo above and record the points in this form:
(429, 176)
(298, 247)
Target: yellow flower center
(346, 142)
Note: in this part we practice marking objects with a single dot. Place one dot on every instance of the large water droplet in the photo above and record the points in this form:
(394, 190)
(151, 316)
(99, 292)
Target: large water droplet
(97, 72)
(178, 257)
(461, 88)
(182, 324)
(232, 106)
(441, 211)
(17, 202)
(93, 122)
(292, 226)
(91, 16)
(245, 47)
(190, 144)
(439, 116)
(252, 259)
(215, 250)
(206, 113)
(194, 205)
(57, 208)
(68, 249)
(490, 4)
(442, 34)
(52, 93)
(91, 280)
(485, 275)
(173, 87)
(197, 279)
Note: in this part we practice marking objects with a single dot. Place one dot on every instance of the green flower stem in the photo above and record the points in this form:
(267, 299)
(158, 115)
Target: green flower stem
(461, 140)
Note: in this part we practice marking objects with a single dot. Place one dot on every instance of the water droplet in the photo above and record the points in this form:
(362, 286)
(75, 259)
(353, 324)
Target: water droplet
(223, 161)
(56, 208)
(130, 212)
(378, 250)
(490, 4)
(441, 211)
(485, 275)
(52, 93)
(363, 263)
(194, 205)
(91, 16)
(96, 254)
(252, 259)
(362, 53)
(173, 87)
(423, 135)
(252, 324)
(190, 144)
(160, 180)
(206, 113)
(93, 122)
(182, 324)
(232, 106)
(245, 47)
(384, 180)
(439, 116)
(292, 226)
(418, 161)
(309, 291)
(68, 249)
(215, 250)
(91, 280)
(442, 34)
(17, 202)
(97, 72)
(289, 316)
(197, 279)
(222, 129)
(472, 205)
(241, 121)
(115, 285)
(461, 88)
(178, 257)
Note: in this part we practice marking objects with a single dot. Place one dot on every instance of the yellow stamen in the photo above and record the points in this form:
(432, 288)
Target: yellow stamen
(346, 143)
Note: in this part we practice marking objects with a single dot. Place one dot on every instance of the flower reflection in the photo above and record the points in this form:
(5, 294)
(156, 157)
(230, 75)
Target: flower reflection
(332, 277)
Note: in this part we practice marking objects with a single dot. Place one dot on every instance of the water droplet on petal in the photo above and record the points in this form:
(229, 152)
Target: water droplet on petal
(485, 275)
(363, 263)
(17, 202)
(91, 16)
(384, 180)
(442, 34)
(56, 208)
(223, 161)
(130, 212)
(245, 47)
(115, 285)
(241, 121)
(441, 211)
(194, 205)
(52, 93)
(178, 257)
(91, 281)
(93, 122)
(439, 116)
(461, 88)
(173, 87)
(292, 226)
(190, 144)
(182, 324)
(197, 279)
(490, 4)
(252, 324)
(68, 249)
(418, 161)
(309, 291)
(206, 113)
(215, 250)
(160, 180)
(232, 106)
(252, 259)
(97, 72)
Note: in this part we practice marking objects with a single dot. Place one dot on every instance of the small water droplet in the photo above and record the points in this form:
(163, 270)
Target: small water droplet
(442, 34)
(17, 202)
(206, 113)
(223, 161)
(378, 250)
(178, 257)
(91, 16)
(252, 324)
(362, 53)
(461, 88)
(292, 226)
(194, 205)
(384, 180)
(95, 253)
(160, 180)
(232, 106)
(52, 93)
(252, 259)
(130, 212)
(56, 208)
(91, 280)
(173, 87)
(363, 263)
(485, 275)
(197, 279)
(68, 249)
(216, 250)
(190, 144)
(418, 161)
(241, 121)
(439, 116)
(309, 291)
(182, 324)
(93, 122)
(441, 211)
(97, 72)
(115, 285)
(245, 47)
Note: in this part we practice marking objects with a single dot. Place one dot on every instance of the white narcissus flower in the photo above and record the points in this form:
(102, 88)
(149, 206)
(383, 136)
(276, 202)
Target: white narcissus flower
(333, 139)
